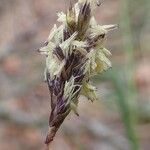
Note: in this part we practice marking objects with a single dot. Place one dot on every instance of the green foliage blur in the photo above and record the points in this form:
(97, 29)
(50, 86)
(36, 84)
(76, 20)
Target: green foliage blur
(134, 22)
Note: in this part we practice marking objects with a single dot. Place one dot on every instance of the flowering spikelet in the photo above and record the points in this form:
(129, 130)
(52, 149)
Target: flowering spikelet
(74, 53)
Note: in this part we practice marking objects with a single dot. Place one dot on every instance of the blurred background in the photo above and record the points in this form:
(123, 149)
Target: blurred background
(119, 120)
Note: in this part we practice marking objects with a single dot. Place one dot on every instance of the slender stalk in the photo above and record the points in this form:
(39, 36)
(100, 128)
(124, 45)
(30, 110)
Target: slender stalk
(128, 99)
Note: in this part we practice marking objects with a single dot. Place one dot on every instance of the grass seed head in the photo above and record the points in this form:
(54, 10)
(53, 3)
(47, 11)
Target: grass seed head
(74, 53)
